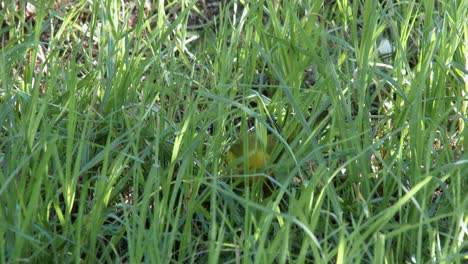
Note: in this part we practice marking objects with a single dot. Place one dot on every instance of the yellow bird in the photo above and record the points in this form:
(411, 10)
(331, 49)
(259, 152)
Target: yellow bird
(251, 155)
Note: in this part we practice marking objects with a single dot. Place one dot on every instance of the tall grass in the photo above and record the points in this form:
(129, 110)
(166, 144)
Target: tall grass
(115, 121)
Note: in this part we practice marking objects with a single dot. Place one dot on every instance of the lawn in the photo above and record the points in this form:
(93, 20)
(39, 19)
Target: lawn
(233, 131)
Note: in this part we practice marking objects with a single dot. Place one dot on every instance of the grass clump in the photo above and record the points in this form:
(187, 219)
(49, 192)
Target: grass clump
(116, 119)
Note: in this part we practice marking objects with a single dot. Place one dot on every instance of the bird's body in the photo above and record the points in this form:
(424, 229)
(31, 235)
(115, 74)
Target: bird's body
(250, 156)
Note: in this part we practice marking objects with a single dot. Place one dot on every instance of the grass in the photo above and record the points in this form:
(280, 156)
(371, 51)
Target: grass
(115, 120)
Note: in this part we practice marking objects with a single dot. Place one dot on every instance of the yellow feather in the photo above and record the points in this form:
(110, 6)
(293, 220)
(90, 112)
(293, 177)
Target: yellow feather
(252, 151)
